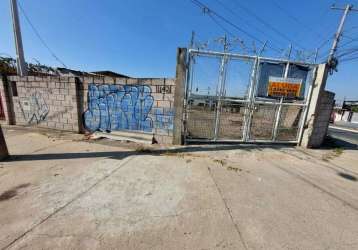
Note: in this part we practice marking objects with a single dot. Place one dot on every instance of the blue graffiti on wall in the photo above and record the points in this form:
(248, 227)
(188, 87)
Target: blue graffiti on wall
(164, 118)
(115, 107)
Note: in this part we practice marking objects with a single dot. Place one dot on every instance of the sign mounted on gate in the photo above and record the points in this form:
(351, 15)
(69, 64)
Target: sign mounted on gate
(284, 87)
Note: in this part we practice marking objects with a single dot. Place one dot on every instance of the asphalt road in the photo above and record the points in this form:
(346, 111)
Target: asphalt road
(351, 137)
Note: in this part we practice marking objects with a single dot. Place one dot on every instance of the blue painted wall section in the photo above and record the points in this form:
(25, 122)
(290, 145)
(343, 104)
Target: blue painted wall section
(124, 107)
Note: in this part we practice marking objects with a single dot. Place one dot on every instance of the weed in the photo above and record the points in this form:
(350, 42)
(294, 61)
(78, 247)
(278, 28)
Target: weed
(338, 151)
(335, 153)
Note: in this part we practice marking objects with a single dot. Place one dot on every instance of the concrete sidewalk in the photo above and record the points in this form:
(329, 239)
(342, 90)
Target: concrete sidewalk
(59, 191)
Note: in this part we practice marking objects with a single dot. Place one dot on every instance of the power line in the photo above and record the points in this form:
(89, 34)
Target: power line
(246, 21)
(229, 32)
(324, 43)
(207, 10)
(267, 24)
(352, 40)
(348, 52)
(350, 59)
(40, 38)
(295, 19)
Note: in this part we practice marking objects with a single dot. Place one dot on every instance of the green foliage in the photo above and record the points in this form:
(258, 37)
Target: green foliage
(8, 67)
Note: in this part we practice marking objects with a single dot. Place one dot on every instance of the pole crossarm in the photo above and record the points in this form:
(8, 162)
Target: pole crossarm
(351, 8)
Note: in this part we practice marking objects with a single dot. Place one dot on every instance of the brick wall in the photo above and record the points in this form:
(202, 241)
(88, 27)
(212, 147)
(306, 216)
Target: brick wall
(92, 104)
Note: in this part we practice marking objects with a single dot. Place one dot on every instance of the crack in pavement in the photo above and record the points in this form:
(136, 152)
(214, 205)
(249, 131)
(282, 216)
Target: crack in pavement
(330, 165)
(122, 164)
(306, 180)
(228, 210)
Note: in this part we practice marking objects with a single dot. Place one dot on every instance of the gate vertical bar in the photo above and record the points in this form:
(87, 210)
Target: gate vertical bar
(279, 111)
(222, 80)
(251, 98)
(277, 120)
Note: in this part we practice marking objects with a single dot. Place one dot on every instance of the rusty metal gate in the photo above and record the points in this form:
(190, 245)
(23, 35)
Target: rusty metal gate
(234, 97)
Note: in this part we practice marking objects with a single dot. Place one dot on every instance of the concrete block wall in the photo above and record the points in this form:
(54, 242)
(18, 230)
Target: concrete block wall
(142, 105)
(5, 101)
(321, 124)
(48, 102)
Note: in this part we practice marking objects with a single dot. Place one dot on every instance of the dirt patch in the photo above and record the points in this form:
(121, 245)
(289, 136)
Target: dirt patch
(168, 153)
(7, 195)
(144, 149)
(234, 169)
(220, 161)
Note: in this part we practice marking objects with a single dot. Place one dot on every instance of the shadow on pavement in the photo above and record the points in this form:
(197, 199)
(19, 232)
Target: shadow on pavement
(347, 176)
(119, 155)
(333, 143)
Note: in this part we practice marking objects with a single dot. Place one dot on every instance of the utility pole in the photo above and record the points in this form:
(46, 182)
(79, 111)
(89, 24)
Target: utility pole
(20, 58)
(332, 61)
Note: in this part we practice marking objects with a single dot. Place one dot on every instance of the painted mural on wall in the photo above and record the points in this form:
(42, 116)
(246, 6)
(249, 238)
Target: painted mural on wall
(34, 108)
(122, 107)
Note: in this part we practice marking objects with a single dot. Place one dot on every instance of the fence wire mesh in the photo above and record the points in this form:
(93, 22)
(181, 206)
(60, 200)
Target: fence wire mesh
(262, 123)
(231, 124)
(289, 123)
(201, 122)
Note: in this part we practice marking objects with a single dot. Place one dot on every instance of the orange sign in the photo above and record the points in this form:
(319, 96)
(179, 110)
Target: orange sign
(284, 87)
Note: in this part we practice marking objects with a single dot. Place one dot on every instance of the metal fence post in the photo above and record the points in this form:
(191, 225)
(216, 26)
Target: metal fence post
(249, 106)
(222, 80)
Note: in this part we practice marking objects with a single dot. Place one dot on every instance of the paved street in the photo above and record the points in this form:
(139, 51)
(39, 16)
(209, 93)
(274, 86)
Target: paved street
(61, 191)
(344, 135)
(347, 125)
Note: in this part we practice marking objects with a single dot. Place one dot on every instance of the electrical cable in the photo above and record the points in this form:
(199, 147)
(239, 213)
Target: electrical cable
(247, 10)
(206, 9)
(295, 19)
(246, 21)
(40, 38)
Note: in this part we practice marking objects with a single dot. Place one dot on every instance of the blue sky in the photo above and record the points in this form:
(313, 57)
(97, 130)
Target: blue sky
(139, 38)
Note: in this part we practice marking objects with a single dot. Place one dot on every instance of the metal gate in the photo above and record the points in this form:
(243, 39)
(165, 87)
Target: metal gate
(239, 98)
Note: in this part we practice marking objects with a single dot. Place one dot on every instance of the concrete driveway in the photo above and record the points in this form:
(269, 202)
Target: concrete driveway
(59, 191)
